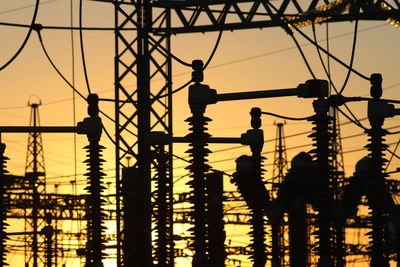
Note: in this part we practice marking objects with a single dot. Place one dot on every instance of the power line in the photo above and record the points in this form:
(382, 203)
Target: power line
(82, 48)
(35, 12)
(52, 63)
(288, 22)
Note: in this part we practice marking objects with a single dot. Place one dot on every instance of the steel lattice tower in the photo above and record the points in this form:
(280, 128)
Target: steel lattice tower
(142, 42)
(141, 57)
(279, 170)
(280, 166)
(35, 172)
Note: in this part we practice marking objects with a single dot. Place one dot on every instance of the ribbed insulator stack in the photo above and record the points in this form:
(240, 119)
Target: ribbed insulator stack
(3, 207)
(322, 196)
(198, 168)
(377, 197)
(95, 216)
(161, 250)
(260, 196)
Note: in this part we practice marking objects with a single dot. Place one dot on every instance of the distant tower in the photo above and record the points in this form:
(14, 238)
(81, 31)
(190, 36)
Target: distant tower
(35, 172)
(279, 170)
(338, 183)
(280, 166)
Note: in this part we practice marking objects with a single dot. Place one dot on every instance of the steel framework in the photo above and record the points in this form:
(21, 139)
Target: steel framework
(143, 46)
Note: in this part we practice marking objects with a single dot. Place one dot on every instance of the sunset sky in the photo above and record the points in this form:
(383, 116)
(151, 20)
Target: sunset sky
(246, 60)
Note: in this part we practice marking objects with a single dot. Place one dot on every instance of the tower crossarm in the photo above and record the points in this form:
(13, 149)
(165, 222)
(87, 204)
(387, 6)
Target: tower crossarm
(245, 14)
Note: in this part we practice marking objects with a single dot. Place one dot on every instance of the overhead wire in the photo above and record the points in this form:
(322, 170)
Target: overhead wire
(286, 117)
(353, 52)
(53, 64)
(214, 50)
(327, 69)
(301, 53)
(82, 46)
(288, 22)
(25, 41)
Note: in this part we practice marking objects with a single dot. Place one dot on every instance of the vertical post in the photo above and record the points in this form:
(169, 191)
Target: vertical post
(136, 252)
(140, 57)
(216, 233)
(48, 232)
(298, 234)
(162, 208)
(3, 206)
(143, 109)
(35, 191)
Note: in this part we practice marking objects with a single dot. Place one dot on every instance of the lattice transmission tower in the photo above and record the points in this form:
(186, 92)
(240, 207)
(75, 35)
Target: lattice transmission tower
(143, 56)
(35, 173)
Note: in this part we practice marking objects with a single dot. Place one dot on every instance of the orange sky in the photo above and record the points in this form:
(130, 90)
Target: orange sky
(245, 61)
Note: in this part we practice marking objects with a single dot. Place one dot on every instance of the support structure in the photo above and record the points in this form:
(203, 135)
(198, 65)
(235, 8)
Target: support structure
(279, 170)
(143, 30)
(141, 57)
(3, 207)
(35, 173)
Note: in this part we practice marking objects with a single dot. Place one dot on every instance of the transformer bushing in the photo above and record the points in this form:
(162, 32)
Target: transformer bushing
(321, 194)
(92, 126)
(248, 179)
(198, 168)
(3, 207)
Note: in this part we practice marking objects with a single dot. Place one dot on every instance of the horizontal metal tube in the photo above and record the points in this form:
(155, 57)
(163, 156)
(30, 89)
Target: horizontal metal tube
(38, 129)
(257, 94)
(219, 140)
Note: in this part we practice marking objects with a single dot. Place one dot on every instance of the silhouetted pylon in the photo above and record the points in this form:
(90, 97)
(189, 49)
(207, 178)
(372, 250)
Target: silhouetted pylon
(35, 173)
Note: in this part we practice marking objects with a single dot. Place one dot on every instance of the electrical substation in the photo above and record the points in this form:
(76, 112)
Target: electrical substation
(307, 211)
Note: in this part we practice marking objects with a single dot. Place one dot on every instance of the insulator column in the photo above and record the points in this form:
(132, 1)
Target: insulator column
(163, 209)
(378, 196)
(3, 207)
(95, 216)
(376, 199)
(321, 192)
(198, 168)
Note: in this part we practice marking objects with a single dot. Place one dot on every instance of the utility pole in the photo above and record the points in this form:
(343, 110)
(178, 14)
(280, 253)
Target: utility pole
(35, 173)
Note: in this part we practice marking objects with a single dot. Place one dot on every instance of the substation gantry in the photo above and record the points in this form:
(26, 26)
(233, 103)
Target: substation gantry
(201, 95)
(144, 55)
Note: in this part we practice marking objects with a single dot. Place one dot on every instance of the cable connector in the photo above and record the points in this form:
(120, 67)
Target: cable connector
(379, 110)
(91, 126)
(159, 138)
(200, 95)
(376, 85)
(197, 74)
(313, 88)
(254, 137)
(37, 27)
